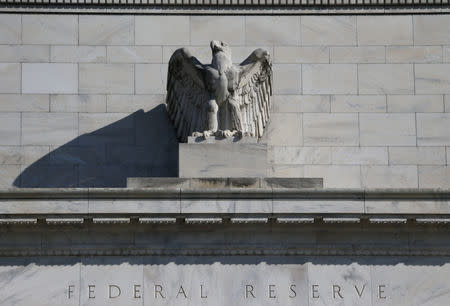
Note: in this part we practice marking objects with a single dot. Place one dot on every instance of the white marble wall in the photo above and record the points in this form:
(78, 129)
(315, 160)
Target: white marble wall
(219, 281)
(362, 101)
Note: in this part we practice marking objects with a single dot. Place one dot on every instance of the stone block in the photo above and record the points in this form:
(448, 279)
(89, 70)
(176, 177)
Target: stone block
(10, 29)
(434, 177)
(389, 176)
(285, 129)
(140, 206)
(110, 128)
(295, 182)
(49, 176)
(242, 182)
(431, 29)
(11, 155)
(157, 182)
(386, 79)
(417, 155)
(299, 55)
(222, 160)
(432, 129)
(387, 129)
(151, 78)
(154, 30)
(78, 54)
(302, 104)
(329, 79)
(230, 29)
(447, 103)
(106, 30)
(239, 53)
(32, 154)
(281, 206)
(415, 103)
(44, 207)
(272, 30)
(9, 78)
(24, 53)
(416, 54)
(134, 54)
(359, 155)
(448, 155)
(287, 79)
(330, 130)
(9, 174)
(132, 103)
(299, 155)
(10, 128)
(406, 207)
(328, 30)
(216, 206)
(49, 128)
(76, 155)
(358, 104)
(106, 78)
(365, 55)
(50, 29)
(285, 171)
(446, 53)
(49, 78)
(24, 103)
(385, 30)
(78, 103)
(335, 176)
(202, 53)
(432, 78)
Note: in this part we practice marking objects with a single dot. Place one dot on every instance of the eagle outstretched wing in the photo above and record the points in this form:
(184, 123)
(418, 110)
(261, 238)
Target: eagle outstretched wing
(186, 94)
(255, 89)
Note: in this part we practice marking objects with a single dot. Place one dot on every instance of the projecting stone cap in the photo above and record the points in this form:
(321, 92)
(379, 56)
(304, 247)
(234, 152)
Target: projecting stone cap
(214, 183)
(216, 139)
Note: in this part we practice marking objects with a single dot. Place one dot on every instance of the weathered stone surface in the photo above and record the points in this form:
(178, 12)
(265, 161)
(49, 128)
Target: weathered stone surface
(151, 78)
(330, 30)
(432, 78)
(432, 129)
(106, 30)
(132, 103)
(9, 78)
(329, 79)
(222, 160)
(226, 28)
(335, 176)
(272, 30)
(160, 182)
(296, 182)
(431, 29)
(134, 54)
(50, 29)
(301, 104)
(389, 176)
(434, 177)
(358, 104)
(285, 129)
(345, 55)
(9, 173)
(417, 155)
(78, 103)
(24, 53)
(299, 155)
(48, 128)
(415, 103)
(385, 30)
(150, 32)
(302, 55)
(330, 129)
(24, 103)
(10, 128)
(10, 29)
(359, 155)
(447, 103)
(50, 78)
(416, 54)
(78, 54)
(386, 79)
(387, 129)
(287, 79)
(106, 78)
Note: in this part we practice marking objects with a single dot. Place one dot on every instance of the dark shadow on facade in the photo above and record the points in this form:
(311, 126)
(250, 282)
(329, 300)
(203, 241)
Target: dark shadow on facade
(142, 144)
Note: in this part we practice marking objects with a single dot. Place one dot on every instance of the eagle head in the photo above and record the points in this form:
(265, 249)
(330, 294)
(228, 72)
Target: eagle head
(220, 46)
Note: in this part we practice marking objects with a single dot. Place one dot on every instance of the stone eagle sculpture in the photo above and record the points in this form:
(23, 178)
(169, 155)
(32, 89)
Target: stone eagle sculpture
(219, 99)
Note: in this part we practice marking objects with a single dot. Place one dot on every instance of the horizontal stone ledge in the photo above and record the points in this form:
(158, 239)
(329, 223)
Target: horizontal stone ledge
(222, 193)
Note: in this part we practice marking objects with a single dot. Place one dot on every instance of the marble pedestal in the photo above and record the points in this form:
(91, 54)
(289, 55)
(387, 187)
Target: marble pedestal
(222, 158)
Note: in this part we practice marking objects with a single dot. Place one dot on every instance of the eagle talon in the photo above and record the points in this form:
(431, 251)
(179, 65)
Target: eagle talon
(207, 134)
(228, 133)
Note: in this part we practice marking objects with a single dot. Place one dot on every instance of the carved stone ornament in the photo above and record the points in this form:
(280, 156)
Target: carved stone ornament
(219, 99)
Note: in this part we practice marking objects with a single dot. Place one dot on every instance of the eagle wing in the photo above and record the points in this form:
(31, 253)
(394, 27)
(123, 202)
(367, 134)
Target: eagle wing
(186, 94)
(255, 89)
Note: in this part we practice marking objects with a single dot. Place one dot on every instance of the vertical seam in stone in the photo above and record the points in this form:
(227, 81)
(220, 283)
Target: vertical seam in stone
(359, 131)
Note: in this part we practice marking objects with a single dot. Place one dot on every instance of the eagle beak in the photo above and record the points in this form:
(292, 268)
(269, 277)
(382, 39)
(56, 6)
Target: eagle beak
(215, 46)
